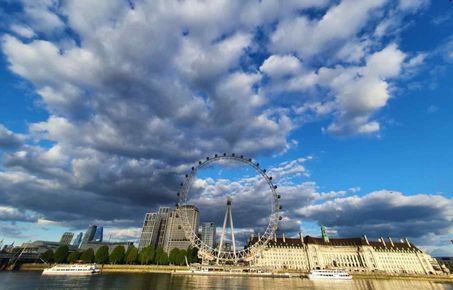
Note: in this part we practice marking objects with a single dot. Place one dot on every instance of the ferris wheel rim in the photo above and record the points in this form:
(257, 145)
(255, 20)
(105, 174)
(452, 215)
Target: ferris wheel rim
(210, 252)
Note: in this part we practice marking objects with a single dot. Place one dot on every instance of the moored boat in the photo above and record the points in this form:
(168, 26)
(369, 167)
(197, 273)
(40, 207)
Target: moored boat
(72, 269)
(329, 275)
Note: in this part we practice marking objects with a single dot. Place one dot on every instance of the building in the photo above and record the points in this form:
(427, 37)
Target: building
(78, 240)
(352, 254)
(89, 234)
(66, 238)
(445, 263)
(208, 234)
(39, 247)
(99, 234)
(154, 228)
(175, 236)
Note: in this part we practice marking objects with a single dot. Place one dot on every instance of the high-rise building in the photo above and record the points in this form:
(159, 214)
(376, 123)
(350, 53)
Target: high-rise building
(66, 238)
(163, 215)
(78, 240)
(99, 234)
(148, 232)
(208, 234)
(89, 234)
(154, 228)
(175, 236)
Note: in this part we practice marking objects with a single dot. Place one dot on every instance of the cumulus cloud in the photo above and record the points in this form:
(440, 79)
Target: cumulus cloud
(385, 213)
(137, 91)
(13, 214)
(9, 139)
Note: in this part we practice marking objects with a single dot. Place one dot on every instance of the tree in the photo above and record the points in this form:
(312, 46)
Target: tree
(131, 255)
(73, 257)
(181, 257)
(161, 257)
(146, 255)
(173, 257)
(47, 256)
(192, 255)
(61, 254)
(102, 255)
(87, 256)
(117, 255)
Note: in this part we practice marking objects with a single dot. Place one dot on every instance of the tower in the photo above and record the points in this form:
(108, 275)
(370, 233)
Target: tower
(325, 237)
(222, 235)
(77, 240)
(66, 238)
(89, 234)
(99, 234)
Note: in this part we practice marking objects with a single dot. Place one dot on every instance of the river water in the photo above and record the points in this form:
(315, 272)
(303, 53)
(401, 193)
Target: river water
(34, 280)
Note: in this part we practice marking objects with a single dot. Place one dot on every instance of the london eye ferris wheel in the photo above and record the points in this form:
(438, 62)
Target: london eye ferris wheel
(219, 254)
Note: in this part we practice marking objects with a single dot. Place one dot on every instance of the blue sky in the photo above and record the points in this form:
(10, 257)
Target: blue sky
(104, 109)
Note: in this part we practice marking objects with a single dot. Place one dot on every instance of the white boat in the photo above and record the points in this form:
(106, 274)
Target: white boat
(72, 269)
(329, 275)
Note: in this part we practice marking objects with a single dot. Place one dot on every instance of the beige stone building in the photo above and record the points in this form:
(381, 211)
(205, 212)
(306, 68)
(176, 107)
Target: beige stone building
(352, 254)
(174, 235)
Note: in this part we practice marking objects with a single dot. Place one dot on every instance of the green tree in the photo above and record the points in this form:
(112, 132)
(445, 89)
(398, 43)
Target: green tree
(161, 257)
(117, 255)
(131, 255)
(61, 254)
(192, 255)
(181, 257)
(173, 257)
(73, 256)
(87, 256)
(102, 255)
(47, 256)
(146, 255)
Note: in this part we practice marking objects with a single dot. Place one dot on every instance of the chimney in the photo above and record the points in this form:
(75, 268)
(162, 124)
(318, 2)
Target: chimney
(366, 239)
(284, 238)
(258, 236)
(391, 242)
(275, 237)
(407, 242)
(300, 237)
(383, 241)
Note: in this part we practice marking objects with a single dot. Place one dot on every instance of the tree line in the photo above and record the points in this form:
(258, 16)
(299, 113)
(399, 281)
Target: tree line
(147, 256)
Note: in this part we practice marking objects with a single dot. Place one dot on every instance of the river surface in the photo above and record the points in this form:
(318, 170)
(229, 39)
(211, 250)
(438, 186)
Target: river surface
(34, 280)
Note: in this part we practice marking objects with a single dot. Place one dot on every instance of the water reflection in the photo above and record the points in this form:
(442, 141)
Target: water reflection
(34, 280)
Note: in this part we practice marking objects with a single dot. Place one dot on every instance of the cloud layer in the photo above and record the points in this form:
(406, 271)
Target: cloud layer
(137, 91)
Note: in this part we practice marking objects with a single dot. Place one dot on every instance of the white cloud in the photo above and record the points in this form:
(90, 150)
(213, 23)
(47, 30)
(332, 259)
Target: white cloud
(136, 95)
(310, 37)
(277, 66)
(393, 214)
(22, 30)
(413, 5)
(14, 214)
(10, 140)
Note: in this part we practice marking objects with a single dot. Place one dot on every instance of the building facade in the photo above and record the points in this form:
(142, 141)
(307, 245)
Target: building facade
(175, 236)
(99, 234)
(89, 234)
(78, 240)
(353, 254)
(66, 238)
(154, 228)
(208, 234)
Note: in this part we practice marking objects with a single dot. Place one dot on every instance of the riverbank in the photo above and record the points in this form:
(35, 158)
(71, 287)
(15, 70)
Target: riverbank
(176, 269)
(383, 276)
